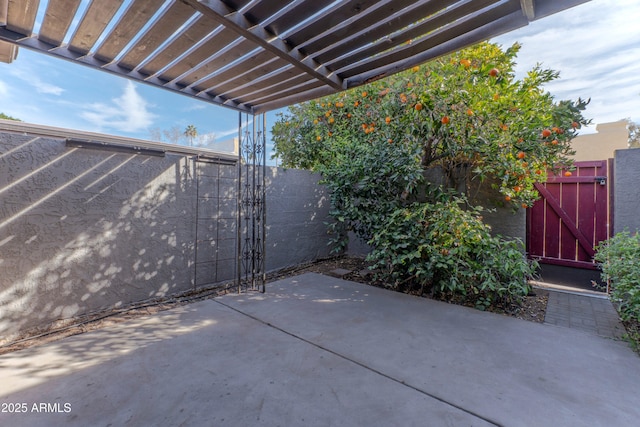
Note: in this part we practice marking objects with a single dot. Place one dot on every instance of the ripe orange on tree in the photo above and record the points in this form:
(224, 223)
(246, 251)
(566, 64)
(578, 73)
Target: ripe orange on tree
(445, 120)
(387, 120)
(494, 72)
(567, 173)
(546, 133)
(418, 106)
(521, 155)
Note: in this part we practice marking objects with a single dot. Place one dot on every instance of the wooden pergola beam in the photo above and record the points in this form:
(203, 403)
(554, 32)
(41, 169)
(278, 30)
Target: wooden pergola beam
(237, 22)
(529, 9)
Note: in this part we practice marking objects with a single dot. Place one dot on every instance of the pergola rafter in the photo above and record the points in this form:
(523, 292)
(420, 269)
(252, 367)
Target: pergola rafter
(258, 55)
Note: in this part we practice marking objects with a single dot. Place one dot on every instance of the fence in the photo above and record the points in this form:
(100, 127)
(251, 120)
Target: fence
(86, 227)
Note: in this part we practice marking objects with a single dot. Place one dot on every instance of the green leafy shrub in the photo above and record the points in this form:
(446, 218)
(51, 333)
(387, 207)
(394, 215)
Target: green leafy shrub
(445, 250)
(620, 260)
(366, 184)
(465, 114)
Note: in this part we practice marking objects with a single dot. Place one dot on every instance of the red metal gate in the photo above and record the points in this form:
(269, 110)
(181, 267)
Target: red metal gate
(572, 217)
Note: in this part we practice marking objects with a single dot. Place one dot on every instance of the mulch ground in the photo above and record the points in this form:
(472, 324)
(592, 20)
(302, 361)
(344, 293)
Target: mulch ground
(532, 309)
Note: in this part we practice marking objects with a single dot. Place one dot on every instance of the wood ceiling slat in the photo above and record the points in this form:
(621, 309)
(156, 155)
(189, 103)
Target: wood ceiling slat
(21, 16)
(341, 40)
(372, 18)
(190, 37)
(288, 88)
(237, 4)
(200, 54)
(501, 25)
(289, 99)
(95, 20)
(57, 20)
(440, 20)
(218, 61)
(265, 39)
(286, 75)
(172, 19)
(258, 65)
(381, 29)
(296, 14)
(263, 10)
(262, 84)
(340, 14)
(136, 16)
(442, 35)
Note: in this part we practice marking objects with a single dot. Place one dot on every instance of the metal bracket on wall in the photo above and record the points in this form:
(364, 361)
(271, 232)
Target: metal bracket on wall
(251, 203)
(107, 146)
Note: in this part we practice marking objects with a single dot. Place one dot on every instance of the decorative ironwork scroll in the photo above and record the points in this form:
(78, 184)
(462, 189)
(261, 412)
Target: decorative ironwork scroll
(251, 202)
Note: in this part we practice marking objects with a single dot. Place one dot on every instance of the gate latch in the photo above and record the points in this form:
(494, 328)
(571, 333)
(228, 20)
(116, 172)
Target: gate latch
(602, 180)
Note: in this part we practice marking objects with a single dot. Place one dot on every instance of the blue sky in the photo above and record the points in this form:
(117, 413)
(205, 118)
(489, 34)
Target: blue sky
(594, 46)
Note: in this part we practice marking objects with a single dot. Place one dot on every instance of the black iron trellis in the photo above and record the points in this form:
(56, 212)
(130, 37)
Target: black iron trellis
(251, 203)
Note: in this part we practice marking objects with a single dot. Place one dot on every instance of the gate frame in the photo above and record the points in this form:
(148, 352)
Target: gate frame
(251, 236)
(583, 241)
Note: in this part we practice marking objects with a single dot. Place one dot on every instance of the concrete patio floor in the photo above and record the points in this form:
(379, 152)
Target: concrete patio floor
(320, 351)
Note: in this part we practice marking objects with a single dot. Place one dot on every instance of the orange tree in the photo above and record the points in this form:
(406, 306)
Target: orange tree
(464, 114)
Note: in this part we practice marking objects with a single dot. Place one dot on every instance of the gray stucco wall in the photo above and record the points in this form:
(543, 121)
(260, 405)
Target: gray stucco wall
(503, 220)
(626, 190)
(84, 230)
(297, 210)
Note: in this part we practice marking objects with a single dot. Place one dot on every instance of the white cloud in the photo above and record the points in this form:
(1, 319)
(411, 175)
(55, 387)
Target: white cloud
(24, 72)
(127, 113)
(4, 90)
(45, 88)
(195, 107)
(594, 47)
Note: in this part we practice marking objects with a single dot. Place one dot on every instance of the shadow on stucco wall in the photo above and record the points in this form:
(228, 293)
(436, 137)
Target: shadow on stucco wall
(85, 230)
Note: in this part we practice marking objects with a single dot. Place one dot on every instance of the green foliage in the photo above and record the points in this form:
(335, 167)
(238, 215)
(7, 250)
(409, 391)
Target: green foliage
(191, 132)
(466, 109)
(619, 257)
(634, 134)
(465, 114)
(440, 248)
(367, 183)
(6, 117)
